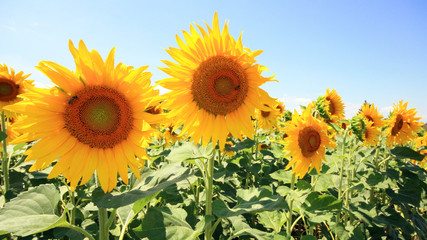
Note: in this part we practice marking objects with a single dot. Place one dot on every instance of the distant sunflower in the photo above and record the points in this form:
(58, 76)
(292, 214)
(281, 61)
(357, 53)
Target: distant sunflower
(335, 106)
(402, 125)
(370, 136)
(370, 112)
(93, 119)
(11, 85)
(214, 85)
(421, 142)
(306, 142)
(267, 117)
(280, 107)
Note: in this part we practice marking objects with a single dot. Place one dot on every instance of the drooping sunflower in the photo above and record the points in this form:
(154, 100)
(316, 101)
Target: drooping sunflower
(11, 85)
(267, 117)
(330, 106)
(214, 84)
(402, 124)
(306, 143)
(94, 119)
(370, 112)
(370, 136)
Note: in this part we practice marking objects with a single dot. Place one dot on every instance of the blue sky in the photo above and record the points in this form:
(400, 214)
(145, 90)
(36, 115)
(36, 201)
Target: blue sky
(366, 50)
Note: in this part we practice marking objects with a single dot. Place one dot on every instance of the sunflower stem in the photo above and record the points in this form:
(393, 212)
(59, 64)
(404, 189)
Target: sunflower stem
(341, 177)
(291, 200)
(103, 225)
(209, 194)
(5, 163)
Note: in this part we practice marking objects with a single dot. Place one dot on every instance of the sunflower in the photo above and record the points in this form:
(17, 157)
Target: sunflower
(306, 143)
(370, 112)
(11, 85)
(370, 136)
(214, 84)
(421, 142)
(94, 119)
(267, 117)
(280, 107)
(330, 106)
(402, 124)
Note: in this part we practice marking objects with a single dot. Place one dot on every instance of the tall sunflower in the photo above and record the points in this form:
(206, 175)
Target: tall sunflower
(93, 119)
(11, 85)
(402, 124)
(306, 143)
(214, 84)
(370, 112)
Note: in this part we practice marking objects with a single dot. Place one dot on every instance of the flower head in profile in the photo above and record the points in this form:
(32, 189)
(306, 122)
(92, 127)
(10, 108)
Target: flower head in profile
(306, 143)
(11, 85)
(214, 84)
(402, 124)
(330, 106)
(94, 119)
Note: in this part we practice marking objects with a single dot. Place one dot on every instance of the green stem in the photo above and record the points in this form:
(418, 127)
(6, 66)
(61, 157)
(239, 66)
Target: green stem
(291, 200)
(209, 194)
(103, 225)
(5, 163)
(341, 177)
(78, 229)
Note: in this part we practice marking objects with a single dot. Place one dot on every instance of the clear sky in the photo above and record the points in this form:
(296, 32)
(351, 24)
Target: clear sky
(366, 50)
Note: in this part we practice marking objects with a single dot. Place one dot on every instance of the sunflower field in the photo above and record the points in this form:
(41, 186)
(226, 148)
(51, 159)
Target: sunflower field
(102, 155)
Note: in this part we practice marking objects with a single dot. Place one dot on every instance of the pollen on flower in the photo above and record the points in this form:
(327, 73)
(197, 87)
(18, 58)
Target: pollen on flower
(8, 90)
(309, 141)
(219, 85)
(98, 116)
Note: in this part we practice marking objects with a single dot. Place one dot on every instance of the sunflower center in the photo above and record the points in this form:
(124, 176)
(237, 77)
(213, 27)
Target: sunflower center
(98, 116)
(309, 141)
(265, 114)
(397, 125)
(331, 107)
(8, 90)
(219, 85)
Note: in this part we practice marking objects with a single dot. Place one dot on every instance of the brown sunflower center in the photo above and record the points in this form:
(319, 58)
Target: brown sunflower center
(98, 116)
(309, 141)
(265, 114)
(219, 85)
(331, 107)
(398, 124)
(8, 90)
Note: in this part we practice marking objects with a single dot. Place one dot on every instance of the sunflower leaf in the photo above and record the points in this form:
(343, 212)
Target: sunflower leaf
(32, 212)
(152, 182)
(405, 152)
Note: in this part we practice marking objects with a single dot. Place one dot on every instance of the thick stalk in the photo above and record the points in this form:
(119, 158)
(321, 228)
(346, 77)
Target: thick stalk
(103, 226)
(5, 163)
(341, 177)
(291, 200)
(209, 194)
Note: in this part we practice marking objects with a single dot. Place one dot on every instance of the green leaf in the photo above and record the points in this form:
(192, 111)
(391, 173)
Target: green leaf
(241, 228)
(32, 211)
(3, 136)
(152, 182)
(250, 200)
(405, 152)
(128, 213)
(165, 223)
(273, 220)
(320, 208)
(188, 151)
(282, 175)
